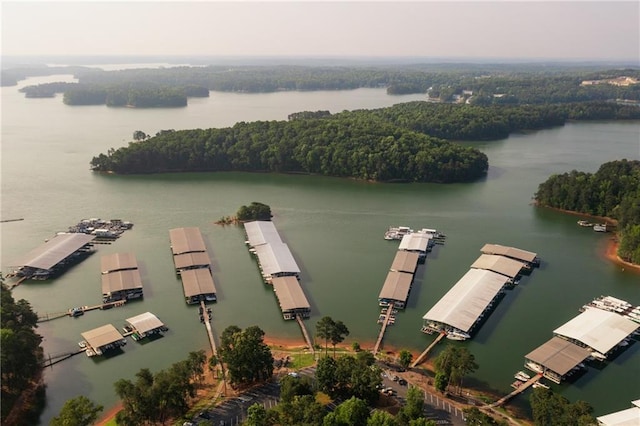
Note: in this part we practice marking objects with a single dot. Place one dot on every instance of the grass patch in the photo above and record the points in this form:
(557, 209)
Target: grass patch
(301, 360)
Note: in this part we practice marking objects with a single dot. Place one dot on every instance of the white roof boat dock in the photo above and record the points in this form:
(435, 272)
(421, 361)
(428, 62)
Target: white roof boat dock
(261, 232)
(628, 417)
(274, 256)
(466, 302)
(511, 252)
(276, 260)
(198, 284)
(291, 298)
(118, 262)
(416, 242)
(396, 288)
(102, 339)
(61, 250)
(186, 240)
(600, 330)
(502, 265)
(145, 324)
(556, 359)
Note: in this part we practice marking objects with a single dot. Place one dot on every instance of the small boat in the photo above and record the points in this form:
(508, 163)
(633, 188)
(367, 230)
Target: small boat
(397, 232)
(76, 312)
(457, 335)
(521, 375)
(598, 356)
(540, 385)
(585, 223)
(534, 367)
(82, 344)
(600, 227)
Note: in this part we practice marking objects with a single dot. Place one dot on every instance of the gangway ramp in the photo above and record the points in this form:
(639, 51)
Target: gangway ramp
(518, 390)
(423, 355)
(306, 334)
(387, 315)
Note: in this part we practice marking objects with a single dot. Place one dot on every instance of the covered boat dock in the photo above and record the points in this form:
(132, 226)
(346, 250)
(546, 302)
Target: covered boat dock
(601, 331)
(556, 359)
(405, 261)
(261, 232)
(144, 325)
(54, 256)
(188, 248)
(102, 339)
(502, 265)
(462, 307)
(293, 302)
(276, 260)
(513, 253)
(395, 290)
(416, 242)
(120, 277)
(198, 285)
(628, 417)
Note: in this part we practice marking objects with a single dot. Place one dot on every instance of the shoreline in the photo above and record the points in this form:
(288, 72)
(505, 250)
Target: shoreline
(610, 252)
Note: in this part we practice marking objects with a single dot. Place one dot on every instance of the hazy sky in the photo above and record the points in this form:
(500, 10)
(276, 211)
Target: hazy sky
(477, 29)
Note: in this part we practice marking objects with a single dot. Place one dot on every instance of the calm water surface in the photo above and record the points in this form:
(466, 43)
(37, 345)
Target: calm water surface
(333, 226)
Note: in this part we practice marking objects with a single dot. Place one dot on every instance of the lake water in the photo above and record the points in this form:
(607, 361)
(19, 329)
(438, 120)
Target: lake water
(334, 228)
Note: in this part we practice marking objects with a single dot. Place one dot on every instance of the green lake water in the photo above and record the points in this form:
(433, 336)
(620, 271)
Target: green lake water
(334, 228)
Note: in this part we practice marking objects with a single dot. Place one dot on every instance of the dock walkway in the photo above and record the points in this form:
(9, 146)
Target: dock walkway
(52, 360)
(385, 322)
(518, 390)
(306, 335)
(207, 324)
(68, 313)
(423, 355)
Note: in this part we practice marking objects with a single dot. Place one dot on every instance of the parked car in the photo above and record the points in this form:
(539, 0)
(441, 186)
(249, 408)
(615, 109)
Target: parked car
(402, 382)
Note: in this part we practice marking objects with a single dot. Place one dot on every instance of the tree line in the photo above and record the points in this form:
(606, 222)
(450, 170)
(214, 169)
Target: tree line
(488, 84)
(613, 191)
(22, 356)
(352, 146)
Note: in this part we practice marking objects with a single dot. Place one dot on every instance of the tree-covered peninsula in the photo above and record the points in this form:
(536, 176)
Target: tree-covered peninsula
(613, 191)
(344, 145)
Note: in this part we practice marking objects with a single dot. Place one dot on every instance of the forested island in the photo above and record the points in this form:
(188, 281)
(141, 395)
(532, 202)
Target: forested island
(405, 142)
(613, 192)
(481, 84)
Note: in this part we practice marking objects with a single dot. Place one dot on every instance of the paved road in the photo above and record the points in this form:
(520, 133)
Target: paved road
(435, 408)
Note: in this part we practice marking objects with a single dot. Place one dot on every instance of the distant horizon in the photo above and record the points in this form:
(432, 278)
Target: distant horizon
(93, 59)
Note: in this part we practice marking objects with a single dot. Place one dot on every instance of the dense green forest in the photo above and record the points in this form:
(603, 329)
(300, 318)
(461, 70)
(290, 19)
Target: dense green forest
(399, 143)
(481, 84)
(613, 191)
(21, 355)
(344, 146)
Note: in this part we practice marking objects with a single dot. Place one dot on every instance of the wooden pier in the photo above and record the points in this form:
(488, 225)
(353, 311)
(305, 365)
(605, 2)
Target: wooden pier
(385, 322)
(83, 309)
(306, 335)
(207, 324)
(423, 355)
(524, 386)
(52, 360)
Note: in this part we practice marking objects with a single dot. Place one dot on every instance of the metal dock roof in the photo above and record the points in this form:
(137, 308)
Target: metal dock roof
(512, 252)
(54, 251)
(145, 322)
(416, 241)
(117, 262)
(599, 329)
(102, 336)
(289, 294)
(186, 240)
(628, 417)
(121, 280)
(276, 258)
(190, 260)
(261, 232)
(500, 264)
(405, 261)
(197, 281)
(463, 304)
(396, 286)
(558, 355)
